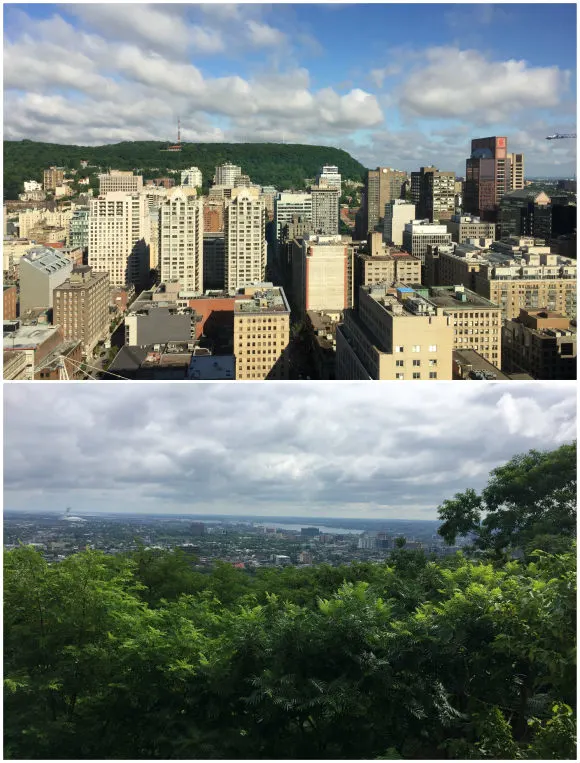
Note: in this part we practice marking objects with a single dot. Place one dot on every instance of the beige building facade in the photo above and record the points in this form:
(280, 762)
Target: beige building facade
(114, 182)
(394, 337)
(181, 239)
(119, 234)
(261, 332)
(397, 214)
(244, 239)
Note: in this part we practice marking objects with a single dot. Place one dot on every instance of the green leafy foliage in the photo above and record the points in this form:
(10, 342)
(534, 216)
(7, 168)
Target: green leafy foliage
(281, 165)
(141, 656)
(528, 503)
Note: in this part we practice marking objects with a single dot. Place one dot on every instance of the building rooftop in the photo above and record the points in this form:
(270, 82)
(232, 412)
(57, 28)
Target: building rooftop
(46, 259)
(27, 337)
(211, 367)
(399, 301)
(458, 298)
(263, 298)
(472, 365)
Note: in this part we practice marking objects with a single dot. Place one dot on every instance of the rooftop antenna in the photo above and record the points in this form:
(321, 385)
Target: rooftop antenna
(178, 131)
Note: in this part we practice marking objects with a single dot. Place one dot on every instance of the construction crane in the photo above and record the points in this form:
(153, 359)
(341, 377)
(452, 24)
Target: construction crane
(558, 136)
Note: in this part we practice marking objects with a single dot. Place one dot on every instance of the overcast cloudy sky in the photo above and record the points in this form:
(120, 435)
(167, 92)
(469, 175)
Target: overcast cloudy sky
(400, 85)
(346, 450)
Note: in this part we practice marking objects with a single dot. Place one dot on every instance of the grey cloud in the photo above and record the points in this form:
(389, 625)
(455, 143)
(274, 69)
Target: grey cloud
(344, 448)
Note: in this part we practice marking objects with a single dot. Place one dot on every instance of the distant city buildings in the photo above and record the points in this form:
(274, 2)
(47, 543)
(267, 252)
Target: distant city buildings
(419, 234)
(53, 177)
(191, 177)
(325, 210)
(226, 174)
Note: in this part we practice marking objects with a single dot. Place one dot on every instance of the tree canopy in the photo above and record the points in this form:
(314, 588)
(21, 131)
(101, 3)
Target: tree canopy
(144, 656)
(284, 166)
(528, 503)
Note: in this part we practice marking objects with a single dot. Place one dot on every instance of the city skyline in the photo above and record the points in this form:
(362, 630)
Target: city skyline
(288, 451)
(100, 73)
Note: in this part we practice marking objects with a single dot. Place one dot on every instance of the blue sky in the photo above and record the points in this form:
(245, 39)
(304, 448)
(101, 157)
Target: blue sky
(399, 85)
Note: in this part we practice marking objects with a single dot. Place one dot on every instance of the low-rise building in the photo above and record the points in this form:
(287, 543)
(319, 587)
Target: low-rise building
(541, 343)
(41, 271)
(150, 322)
(36, 343)
(261, 332)
(470, 365)
(529, 276)
(161, 362)
(419, 234)
(465, 227)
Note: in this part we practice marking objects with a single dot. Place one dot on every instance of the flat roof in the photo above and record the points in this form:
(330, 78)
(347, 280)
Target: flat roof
(443, 296)
(28, 337)
(478, 363)
(269, 299)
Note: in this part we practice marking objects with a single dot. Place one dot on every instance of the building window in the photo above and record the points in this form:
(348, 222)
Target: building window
(416, 348)
(416, 362)
(416, 375)
(432, 348)
(399, 348)
(432, 374)
(399, 376)
(399, 362)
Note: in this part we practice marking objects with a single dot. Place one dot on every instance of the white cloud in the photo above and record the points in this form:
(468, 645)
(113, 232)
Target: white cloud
(263, 35)
(454, 83)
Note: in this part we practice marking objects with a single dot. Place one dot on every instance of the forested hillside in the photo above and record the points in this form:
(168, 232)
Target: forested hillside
(142, 656)
(281, 165)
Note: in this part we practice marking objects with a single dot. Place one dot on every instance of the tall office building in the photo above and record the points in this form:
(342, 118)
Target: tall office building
(319, 270)
(397, 214)
(526, 213)
(433, 193)
(329, 175)
(226, 174)
(516, 171)
(119, 234)
(382, 186)
(487, 177)
(325, 210)
(464, 227)
(191, 177)
(114, 182)
(288, 205)
(181, 239)
(78, 229)
(81, 307)
(244, 239)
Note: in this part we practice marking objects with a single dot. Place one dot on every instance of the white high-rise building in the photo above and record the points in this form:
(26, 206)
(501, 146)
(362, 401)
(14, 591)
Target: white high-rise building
(288, 204)
(397, 214)
(330, 175)
(191, 177)
(226, 174)
(244, 239)
(181, 239)
(119, 234)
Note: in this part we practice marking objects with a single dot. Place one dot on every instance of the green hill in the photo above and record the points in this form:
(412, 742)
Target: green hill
(280, 165)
